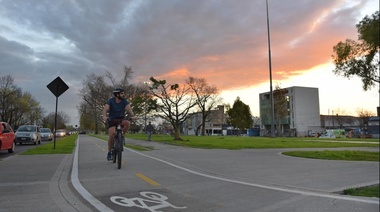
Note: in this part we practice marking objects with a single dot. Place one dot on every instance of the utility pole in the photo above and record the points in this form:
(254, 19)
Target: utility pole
(270, 76)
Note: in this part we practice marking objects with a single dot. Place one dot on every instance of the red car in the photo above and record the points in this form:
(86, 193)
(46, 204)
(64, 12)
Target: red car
(7, 137)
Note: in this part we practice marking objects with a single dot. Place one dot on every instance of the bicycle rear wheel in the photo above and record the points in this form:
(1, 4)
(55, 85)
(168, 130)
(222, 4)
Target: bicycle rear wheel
(119, 150)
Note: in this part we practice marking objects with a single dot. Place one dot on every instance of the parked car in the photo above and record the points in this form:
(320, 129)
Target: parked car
(7, 137)
(60, 133)
(28, 134)
(46, 134)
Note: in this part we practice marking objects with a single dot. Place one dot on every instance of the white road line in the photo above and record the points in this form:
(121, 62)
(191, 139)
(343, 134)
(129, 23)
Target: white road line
(309, 193)
(100, 206)
(78, 186)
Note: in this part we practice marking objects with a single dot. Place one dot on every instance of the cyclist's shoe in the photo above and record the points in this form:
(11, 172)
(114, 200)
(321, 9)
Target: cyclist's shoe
(109, 156)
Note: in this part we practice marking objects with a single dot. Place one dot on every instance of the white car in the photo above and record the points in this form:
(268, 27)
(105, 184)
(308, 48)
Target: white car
(60, 133)
(46, 134)
(28, 134)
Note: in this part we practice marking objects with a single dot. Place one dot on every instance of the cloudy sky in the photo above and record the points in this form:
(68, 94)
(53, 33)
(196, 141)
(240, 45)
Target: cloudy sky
(224, 41)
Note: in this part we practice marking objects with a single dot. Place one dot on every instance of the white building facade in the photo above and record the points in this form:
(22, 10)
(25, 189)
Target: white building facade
(213, 124)
(302, 117)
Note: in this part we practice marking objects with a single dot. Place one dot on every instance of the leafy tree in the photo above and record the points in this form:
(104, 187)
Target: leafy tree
(86, 120)
(280, 102)
(16, 107)
(34, 112)
(94, 94)
(9, 94)
(174, 102)
(206, 98)
(144, 104)
(239, 115)
(360, 58)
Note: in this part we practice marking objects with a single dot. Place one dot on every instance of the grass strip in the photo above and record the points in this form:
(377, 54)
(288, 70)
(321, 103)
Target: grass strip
(347, 155)
(64, 145)
(369, 191)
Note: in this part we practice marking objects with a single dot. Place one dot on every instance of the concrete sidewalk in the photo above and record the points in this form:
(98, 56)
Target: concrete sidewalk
(39, 183)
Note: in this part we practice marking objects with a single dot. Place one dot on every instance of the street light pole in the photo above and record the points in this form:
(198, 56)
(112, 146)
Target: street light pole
(270, 75)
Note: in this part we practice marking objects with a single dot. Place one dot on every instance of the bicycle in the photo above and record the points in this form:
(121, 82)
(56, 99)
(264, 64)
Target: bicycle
(118, 144)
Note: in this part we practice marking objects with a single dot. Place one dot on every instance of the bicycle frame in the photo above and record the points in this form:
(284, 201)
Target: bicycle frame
(118, 145)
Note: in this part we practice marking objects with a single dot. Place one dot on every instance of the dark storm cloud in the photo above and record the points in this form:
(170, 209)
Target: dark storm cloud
(207, 38)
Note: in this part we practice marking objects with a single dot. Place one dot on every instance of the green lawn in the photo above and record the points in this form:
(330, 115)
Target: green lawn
(239, 142)
(370, 191)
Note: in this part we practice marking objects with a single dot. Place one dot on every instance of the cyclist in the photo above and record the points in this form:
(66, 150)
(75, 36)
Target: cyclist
(116, 108)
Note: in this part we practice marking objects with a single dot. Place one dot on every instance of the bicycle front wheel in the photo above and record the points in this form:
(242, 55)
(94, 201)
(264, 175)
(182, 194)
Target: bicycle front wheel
(119, 157)
(114, 151)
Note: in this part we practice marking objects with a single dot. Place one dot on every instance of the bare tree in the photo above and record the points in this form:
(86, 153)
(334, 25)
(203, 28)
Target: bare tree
(364, 113)
(364, 116)
(62, 120)
(97, 89)
(206, 99)
(174, 102)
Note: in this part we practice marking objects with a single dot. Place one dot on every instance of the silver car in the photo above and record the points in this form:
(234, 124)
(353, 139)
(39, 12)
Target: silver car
(46, 134)
(60, 133)
(28, 134)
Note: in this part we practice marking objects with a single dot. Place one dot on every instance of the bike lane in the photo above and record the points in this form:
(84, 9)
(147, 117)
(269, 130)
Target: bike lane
(148, 183)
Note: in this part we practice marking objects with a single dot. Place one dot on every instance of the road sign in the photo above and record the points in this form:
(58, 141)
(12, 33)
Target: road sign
(57, 86)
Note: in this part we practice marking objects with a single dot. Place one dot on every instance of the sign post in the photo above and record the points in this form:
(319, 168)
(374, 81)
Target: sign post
(57, 87)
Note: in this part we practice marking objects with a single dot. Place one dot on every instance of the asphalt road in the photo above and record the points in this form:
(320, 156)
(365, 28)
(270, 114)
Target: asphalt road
(19, 148)
(171, 178)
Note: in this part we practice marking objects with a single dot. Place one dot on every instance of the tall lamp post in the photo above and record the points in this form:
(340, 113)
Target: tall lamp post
(270, 76)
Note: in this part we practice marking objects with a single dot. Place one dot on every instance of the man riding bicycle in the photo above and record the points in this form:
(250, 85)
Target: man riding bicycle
(116, 108)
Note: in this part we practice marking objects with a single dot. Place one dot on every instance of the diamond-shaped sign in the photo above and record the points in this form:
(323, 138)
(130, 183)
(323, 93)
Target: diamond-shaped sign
(57, 86)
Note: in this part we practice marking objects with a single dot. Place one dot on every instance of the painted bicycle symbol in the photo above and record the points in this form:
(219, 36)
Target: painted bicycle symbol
(153, 201)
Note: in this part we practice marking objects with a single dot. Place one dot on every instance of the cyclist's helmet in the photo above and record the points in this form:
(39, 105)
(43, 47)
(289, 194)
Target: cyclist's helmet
(117, 91)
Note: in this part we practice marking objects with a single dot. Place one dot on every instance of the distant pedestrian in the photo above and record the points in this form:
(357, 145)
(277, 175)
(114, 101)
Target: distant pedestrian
(149, 130)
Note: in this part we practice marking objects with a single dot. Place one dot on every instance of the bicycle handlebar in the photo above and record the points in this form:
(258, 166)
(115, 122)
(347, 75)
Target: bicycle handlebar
(128, 118)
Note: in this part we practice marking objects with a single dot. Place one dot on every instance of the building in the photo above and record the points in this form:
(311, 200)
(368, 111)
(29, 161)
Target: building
(213, 125)
(300, 112)
(374, 126)
(300, 117)
(338, 121)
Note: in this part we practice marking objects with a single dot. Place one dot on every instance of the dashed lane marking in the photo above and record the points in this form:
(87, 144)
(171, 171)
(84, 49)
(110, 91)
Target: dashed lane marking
(147, 179)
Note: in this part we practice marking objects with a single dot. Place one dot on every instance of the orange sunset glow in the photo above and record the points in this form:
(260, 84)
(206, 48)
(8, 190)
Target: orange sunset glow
(225, 42)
